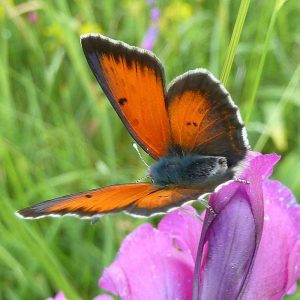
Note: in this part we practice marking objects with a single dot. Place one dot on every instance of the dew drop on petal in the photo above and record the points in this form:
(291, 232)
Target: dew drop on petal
(291, 203)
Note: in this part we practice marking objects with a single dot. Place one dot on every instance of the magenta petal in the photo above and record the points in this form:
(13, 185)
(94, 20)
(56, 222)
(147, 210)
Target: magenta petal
(260, 164)
(185, 227)
(277, 264)
(230, 250)
(149, 266)
(292, 289)
(58, 296)
(103, 297)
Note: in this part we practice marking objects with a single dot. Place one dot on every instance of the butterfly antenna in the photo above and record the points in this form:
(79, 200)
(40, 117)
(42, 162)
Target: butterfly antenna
(141, 179)
(135, 146)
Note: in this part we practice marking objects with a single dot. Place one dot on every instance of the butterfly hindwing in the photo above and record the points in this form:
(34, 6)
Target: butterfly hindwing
(133, 81)
(204, 119)
(86, 204)
(137, 198)
(162, 200)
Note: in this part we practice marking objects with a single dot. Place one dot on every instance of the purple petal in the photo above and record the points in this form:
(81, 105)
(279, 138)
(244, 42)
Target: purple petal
(185, 227)
(277, 265)
(230, 250)
(225, 201)
(149, 266)
(155, 14)
(150, 37)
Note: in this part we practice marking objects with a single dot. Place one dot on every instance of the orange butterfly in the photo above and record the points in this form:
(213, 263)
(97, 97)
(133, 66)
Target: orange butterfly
(193, 130)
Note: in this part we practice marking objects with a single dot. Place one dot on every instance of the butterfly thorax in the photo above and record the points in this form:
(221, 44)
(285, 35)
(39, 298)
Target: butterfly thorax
(188, 170)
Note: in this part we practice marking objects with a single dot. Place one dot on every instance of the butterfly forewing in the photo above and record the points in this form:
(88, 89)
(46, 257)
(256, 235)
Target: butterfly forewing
(133, 81)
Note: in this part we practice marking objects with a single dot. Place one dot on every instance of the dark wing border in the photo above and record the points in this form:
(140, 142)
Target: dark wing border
(95, 44)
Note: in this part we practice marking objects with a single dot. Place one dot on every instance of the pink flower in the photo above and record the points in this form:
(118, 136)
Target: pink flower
(58, 296)
(150, 37)
(152, 33)
(250, 250)
(32, 17)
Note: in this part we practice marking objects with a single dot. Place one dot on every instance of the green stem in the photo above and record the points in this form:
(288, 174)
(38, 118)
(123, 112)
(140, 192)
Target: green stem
(238, 26)
(261, 64)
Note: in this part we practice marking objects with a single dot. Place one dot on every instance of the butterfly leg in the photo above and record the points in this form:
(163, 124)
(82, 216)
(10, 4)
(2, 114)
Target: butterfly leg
(240, 180)
(211, 210)
(95, 220)
(205, 203)
(143, 178)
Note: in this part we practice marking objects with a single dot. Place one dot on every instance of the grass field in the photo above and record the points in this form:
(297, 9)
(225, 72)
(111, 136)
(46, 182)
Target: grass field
(59, 134)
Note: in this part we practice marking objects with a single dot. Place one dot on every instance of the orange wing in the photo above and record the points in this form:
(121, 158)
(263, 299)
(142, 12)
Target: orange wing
(133, 81)
(137, 198)
(204, 119)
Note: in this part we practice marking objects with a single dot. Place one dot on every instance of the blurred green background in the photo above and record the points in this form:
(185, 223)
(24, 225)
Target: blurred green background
(59, 134)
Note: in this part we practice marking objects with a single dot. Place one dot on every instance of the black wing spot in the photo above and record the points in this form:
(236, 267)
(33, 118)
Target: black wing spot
(188, 123)
(88, 196)
(195, 124)
(122, 101)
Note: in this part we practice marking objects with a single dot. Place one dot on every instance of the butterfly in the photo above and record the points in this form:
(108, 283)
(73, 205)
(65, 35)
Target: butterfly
(193, 131)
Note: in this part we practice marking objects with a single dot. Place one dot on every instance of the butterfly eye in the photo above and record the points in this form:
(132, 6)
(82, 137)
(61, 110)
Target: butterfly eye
(222, 161)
